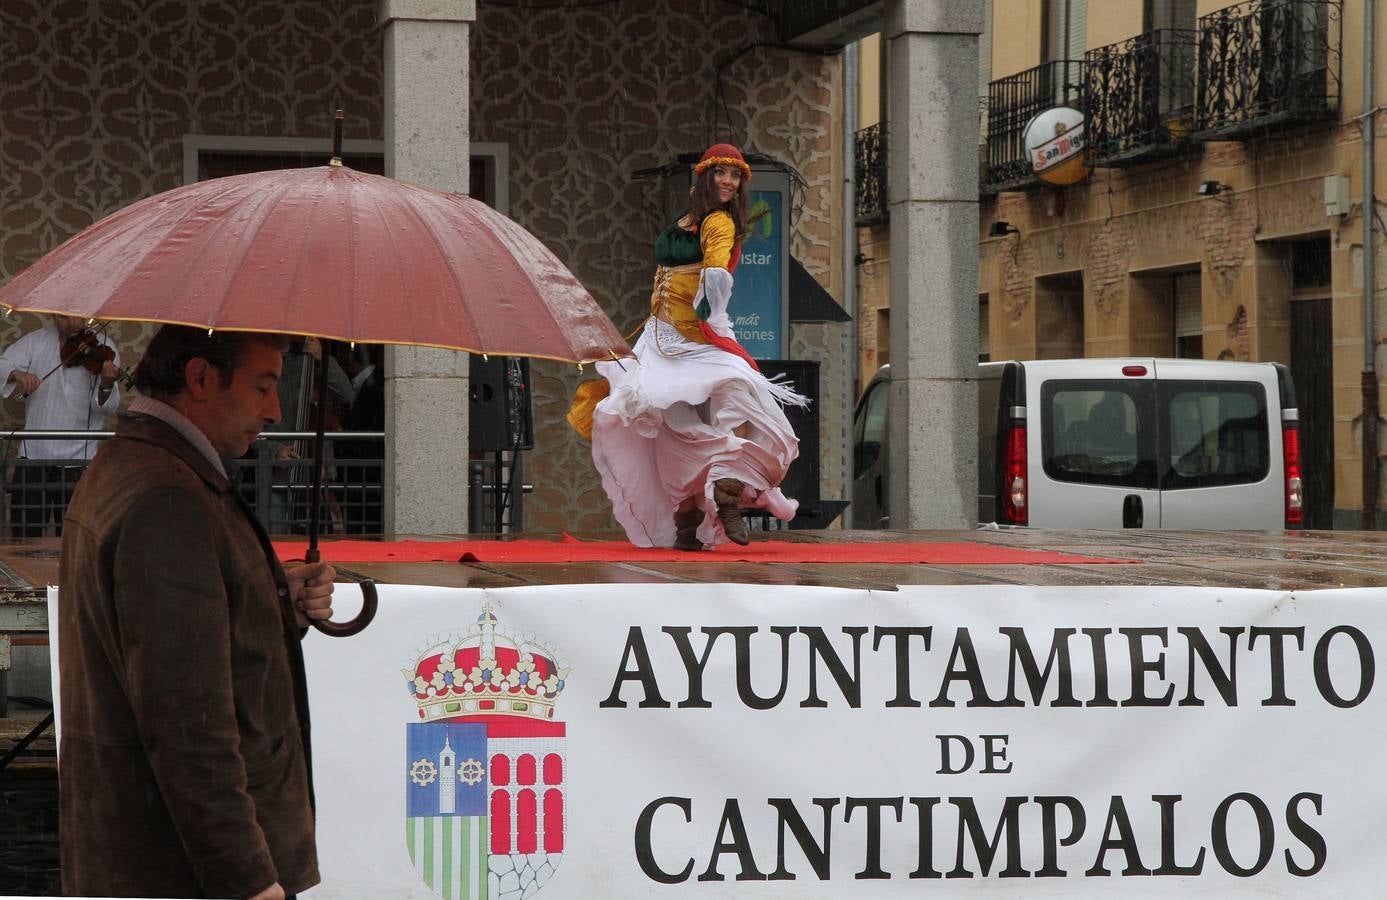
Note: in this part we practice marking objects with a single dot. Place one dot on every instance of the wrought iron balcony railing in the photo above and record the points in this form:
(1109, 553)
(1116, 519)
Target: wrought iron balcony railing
(1268, 62)
(869, 176)
(1140, 96)
(1011, 103)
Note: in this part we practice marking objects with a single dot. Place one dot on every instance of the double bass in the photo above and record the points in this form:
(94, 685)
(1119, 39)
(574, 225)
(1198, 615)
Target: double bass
(307, 412)
(322, 418)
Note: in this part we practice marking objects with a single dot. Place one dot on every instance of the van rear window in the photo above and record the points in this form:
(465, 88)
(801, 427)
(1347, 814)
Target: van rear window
(1092, 433)
(1217, 433)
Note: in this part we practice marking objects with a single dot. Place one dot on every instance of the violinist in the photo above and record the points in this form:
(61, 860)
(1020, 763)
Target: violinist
(66, 377)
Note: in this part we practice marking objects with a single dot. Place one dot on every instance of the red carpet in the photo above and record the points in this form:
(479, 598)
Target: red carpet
(569, 549)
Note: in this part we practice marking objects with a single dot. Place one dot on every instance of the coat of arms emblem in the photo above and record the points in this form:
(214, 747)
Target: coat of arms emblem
(485, 768)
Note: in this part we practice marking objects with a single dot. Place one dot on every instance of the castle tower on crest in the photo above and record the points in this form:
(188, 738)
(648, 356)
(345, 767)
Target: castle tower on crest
(447, 779)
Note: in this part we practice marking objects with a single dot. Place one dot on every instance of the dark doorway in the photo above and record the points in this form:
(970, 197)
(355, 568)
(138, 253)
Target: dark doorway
(1059, 316)
(1311, 343)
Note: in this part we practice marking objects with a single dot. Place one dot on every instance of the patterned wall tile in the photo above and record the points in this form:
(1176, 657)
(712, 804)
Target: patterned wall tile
(95, 98)
(624, 87)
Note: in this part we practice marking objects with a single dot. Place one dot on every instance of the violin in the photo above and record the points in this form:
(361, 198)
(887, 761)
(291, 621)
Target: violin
(86, 350)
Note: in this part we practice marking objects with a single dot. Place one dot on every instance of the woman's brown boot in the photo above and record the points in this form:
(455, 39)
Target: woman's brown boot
(686, 522)
(727, 494)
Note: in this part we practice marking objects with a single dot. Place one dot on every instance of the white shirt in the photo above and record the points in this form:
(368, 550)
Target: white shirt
(66, 400)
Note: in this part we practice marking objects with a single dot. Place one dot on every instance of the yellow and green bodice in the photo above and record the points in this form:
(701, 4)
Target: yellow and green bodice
(681, 256)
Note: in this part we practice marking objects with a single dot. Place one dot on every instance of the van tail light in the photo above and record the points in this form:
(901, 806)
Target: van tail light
(1290, 442)
(1014, 469)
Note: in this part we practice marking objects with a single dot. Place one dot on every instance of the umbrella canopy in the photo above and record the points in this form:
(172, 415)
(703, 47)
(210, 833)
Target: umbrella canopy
(328, 252)
(325, 251)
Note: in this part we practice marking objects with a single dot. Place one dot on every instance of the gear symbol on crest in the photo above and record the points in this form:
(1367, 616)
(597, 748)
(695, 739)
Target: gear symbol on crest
(471, 771)
(423, 772)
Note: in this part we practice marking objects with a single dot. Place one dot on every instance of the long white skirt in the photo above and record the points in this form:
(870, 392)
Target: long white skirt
(679, 417)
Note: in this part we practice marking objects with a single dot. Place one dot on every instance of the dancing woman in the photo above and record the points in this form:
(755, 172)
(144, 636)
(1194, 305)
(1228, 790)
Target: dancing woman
(691, 431)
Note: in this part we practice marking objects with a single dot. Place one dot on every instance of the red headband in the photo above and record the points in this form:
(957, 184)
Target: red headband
(723, 155)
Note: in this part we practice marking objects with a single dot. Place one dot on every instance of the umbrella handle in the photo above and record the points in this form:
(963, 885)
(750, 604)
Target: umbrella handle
(313, 555)
(363, 618)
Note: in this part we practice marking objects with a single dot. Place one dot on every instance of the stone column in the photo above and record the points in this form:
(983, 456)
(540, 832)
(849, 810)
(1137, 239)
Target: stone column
(426, 142)
(932, 150)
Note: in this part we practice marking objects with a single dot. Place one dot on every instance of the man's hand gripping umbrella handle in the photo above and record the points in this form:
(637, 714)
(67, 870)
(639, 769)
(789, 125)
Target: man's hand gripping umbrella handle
(368, 587)
(355, 626)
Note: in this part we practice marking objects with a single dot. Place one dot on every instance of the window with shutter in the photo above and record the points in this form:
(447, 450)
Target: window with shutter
(1189, 309)
(1189, 316)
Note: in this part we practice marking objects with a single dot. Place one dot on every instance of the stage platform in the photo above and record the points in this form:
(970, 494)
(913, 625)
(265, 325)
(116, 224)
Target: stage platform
(1270, 560)
(1276, 560)
(1304, 560)
(1292, 560)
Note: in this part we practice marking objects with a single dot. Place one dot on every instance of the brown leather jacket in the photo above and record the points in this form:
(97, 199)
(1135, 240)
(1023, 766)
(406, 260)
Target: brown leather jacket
(183, 769)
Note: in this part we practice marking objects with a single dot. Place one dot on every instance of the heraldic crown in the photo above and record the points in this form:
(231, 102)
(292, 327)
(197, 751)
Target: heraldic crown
(486, 670)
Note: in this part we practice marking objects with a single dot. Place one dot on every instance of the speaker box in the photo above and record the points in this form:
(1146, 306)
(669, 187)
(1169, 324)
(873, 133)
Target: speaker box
(802, 480)
(499, 415)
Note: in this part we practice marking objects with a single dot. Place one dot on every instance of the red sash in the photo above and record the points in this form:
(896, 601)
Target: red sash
(728, 344)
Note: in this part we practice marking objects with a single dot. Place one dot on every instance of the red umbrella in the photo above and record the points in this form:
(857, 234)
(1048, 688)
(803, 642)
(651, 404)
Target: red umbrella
(328, 252)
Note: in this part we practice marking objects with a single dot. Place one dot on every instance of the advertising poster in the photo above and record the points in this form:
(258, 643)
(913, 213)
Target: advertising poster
(759, 284)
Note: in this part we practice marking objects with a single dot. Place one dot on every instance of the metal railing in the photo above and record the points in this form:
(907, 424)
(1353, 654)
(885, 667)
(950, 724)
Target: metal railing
(1140, 96)
(1011, 104)
(280, 490)
(1268, 62)
(869, 177)
(37, 491)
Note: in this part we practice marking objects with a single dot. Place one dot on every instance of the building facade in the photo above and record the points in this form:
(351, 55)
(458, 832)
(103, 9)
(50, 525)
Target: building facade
(103, 104)
(1223, 217)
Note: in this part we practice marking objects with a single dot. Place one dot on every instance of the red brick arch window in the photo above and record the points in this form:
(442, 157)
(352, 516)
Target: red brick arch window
(500, 822)
(553, 821)
(527, 823)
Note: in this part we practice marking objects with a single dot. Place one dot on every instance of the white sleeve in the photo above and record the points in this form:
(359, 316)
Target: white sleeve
(716, 288)
(18, 355)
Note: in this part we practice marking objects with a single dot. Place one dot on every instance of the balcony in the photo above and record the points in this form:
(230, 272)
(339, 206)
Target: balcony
(1140, 97)
(1268, 63)
(869, 177)
(1011, 104)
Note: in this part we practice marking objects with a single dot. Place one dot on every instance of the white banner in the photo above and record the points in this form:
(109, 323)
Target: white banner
(701, 741)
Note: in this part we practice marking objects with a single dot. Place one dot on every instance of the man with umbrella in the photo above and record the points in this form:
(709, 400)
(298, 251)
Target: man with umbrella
(185, 759)
(183, 766)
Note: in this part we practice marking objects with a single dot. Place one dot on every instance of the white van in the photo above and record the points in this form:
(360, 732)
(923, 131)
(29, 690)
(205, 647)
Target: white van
(1115, 443)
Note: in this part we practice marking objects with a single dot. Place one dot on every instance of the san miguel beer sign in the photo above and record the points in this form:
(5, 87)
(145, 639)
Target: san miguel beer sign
(1056, 148)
